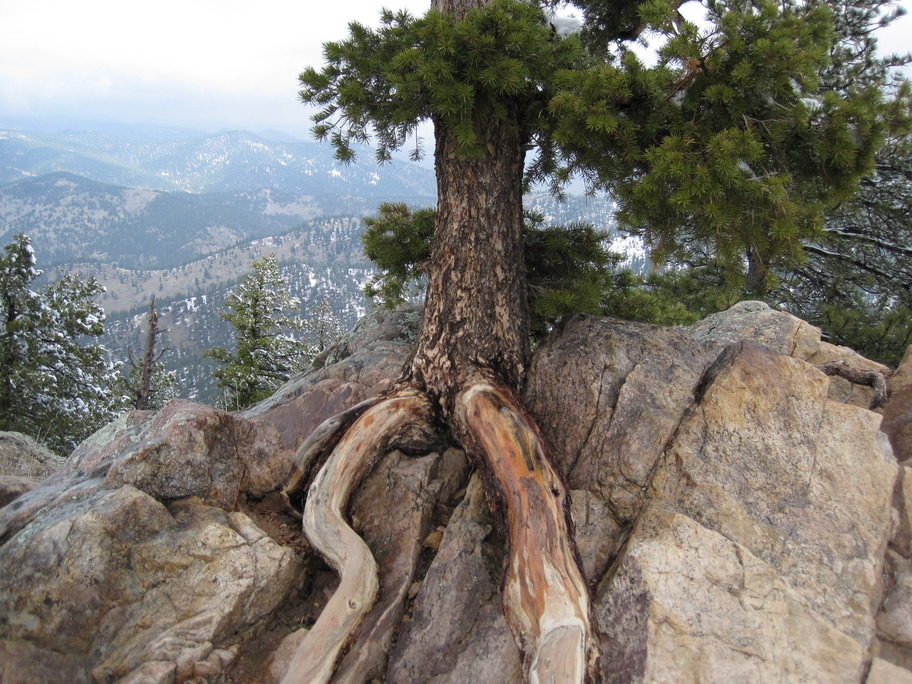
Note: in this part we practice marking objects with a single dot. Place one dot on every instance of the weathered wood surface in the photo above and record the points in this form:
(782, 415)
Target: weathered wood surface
(546, 601)
(357, 452)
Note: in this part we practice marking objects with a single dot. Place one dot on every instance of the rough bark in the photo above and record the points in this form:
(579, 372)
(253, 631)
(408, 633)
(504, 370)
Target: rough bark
(469, 361)
(458, 8)
(475, 314)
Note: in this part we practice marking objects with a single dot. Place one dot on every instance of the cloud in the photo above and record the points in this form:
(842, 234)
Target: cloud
(224, 56)
(230, 62)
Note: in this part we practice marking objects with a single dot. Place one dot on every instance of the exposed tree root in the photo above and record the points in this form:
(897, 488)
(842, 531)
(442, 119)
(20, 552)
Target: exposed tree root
(320, 442)
(368, 438)
(546, 601)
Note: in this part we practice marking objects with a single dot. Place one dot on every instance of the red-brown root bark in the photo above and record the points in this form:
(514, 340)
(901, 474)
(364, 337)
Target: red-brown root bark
(545, 597)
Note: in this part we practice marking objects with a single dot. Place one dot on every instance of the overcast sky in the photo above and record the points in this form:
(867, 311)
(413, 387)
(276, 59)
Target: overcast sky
(207, 64)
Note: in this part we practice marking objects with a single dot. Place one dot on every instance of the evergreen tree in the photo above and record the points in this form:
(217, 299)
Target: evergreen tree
(802, 146)
(266, 354)
(322, 329)
(568, 268)
(855, 281)
(730, 141)
(53, 386)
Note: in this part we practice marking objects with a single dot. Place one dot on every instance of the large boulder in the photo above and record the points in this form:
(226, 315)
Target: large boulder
(22, 456)
(898, 411)
(456, 631)
(362, 364)
(783, 333)
(23, 464)
(894, 621)
(134, 560)
(752, 547)
(732, 507)
(161, 552)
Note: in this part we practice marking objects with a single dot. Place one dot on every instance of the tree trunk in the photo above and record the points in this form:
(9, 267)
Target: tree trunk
(475, 314)
(468, 365)
(755, 284)
(145, 373)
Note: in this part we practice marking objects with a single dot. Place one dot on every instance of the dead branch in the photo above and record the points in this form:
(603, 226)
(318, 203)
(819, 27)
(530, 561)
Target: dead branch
(872, 379)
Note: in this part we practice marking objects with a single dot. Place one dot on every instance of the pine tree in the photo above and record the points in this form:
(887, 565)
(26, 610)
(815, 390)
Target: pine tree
(568, 268)
(322, 329)
(855, 281)
(728, 141)
(53, 385)
(266, 354)
(790, 137)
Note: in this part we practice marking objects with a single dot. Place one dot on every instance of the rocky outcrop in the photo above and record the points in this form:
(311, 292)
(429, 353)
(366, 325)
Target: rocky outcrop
(133, 560)
(898, 412)
(22, 456)
(894, 621)
(732, 510)
(23, 464)
(752, 546)
(361, 365)
(739, 516)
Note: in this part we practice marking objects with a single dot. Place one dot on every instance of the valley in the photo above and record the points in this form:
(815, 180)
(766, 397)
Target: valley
(182, 219)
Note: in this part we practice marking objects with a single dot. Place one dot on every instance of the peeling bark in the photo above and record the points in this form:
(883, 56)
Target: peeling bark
(469, 362)
(320, 443)
(545, 596)
(368, 438)
(546, 601)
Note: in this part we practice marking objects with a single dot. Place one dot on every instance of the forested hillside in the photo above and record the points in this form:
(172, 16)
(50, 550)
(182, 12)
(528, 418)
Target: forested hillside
(181, 219)
(322, 260)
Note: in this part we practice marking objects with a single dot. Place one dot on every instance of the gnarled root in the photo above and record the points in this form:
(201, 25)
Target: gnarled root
(357, 451)
(546, 602)
(320, 442)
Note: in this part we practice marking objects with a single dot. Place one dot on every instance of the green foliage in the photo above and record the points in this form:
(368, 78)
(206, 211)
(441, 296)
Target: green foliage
(854, 61)
(567, 267)
(880, 330)
(266, 354)
(497, 64)
(399, 241)
(162, 386)
(730, 152)
(675, 297)
(323, 328)
(730, 143)
(855, 281)
(53, 386)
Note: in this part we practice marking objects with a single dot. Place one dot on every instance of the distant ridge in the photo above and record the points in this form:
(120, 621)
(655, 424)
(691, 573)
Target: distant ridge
(230, 161)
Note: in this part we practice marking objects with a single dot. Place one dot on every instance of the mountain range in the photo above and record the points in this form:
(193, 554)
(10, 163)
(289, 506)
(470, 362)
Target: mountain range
(85, 196)
(182, 217)
(230, 161)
